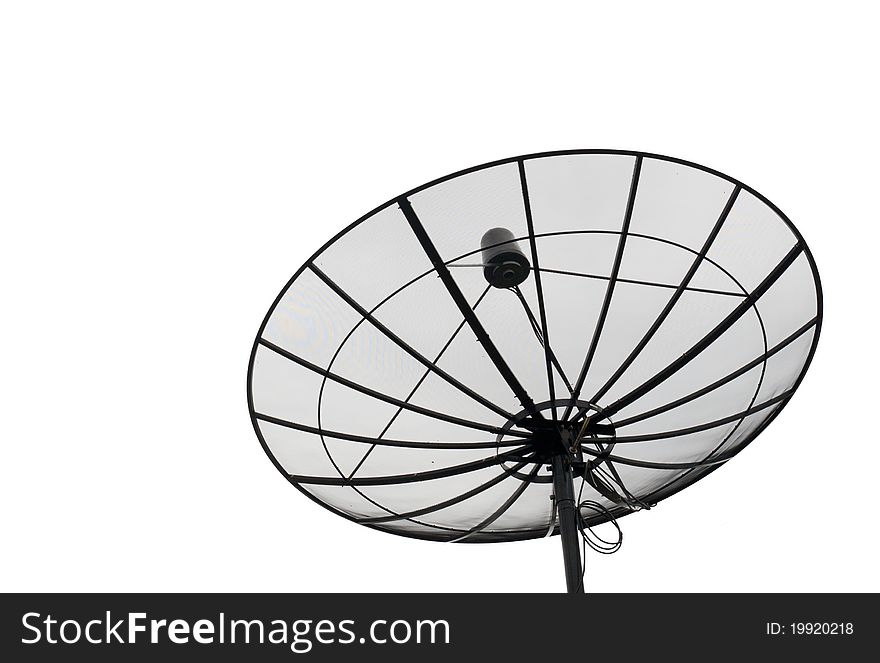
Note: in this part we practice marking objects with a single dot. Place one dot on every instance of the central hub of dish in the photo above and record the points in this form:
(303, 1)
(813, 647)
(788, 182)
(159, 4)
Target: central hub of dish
(550, 439)
(585, 434)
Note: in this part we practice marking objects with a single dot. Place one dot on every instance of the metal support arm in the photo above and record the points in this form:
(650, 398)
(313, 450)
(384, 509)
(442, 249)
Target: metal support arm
(569, 529)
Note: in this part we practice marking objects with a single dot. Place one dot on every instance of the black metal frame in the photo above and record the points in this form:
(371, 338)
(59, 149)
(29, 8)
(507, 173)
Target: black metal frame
(536, 264)
(521, 454)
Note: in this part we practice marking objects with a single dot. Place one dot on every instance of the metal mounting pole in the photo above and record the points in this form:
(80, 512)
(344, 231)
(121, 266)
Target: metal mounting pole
(569, 530)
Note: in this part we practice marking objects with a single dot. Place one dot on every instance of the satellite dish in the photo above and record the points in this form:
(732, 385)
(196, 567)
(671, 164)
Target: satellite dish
(534, 346)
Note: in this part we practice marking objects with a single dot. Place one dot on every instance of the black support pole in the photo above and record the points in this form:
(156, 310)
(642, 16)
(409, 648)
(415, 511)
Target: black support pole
(567, 512)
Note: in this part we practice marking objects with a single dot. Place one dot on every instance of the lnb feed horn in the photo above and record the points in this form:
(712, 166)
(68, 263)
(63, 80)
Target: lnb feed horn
(504, 263)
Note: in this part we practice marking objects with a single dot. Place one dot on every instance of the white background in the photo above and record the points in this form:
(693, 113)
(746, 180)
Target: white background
(166, 166)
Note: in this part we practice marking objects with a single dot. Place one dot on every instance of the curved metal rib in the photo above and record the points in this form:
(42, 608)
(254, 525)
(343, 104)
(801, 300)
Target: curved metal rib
(384, 397)
(719, 383)
(548, 355)
(650, 437)
(652, 465)
(408, 444)
(451, 471)
(450, 502)
(500, 510)
(609, 290)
